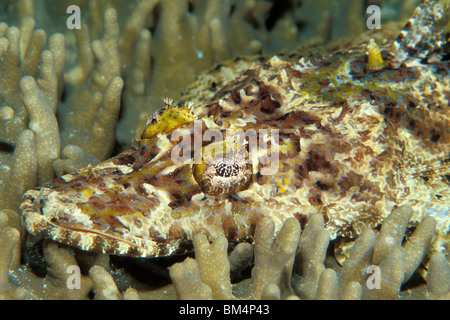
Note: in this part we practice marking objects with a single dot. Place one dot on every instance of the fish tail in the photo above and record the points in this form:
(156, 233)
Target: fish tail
(425, 35)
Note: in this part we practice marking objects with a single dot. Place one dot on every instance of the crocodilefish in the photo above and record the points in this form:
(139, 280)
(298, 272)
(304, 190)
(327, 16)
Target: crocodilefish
(349, 136)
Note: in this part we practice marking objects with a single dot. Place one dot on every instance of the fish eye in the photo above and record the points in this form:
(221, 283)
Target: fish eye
(224, 169)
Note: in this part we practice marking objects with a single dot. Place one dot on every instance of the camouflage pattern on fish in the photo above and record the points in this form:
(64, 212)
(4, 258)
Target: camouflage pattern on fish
(349, 136)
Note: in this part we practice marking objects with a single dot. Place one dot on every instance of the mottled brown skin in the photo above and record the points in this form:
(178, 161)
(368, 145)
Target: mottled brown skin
(355, 141)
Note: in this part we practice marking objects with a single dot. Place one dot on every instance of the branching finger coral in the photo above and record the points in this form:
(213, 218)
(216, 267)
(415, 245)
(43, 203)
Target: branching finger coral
(18, 282)
(272, 271)
(56, 282)
(353, 275)
(214, 257)
(396, 263)
(93, 93)
(311, 257)
(29, 102)
(104, 286)
(23, 173)
(391, 237)
(208, 276)
(59, 282)
(205, 282)
(438, 277)
(393, 275)
(43, 124)
(274, 258)
(187, 281)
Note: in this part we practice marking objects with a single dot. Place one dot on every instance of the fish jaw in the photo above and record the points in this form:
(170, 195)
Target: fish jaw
(77, 234)
(82, 210)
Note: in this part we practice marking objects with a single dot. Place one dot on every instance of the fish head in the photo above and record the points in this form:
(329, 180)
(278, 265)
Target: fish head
(206, 169)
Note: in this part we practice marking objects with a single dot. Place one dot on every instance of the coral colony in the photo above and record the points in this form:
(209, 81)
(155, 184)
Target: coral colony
(264, 163)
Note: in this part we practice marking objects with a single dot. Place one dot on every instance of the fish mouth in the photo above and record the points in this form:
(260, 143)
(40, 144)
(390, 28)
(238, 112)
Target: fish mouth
(61, 225)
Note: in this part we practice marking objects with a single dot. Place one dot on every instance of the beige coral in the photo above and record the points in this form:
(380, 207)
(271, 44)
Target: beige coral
(104, 286)
(88, 118)
(31, 103)
(396, 262)
(274, 258)
(56, 286)
(316, 278)
(438, 277)
(23, 172)
(187, 281)
(44, 126)
(31, 84)
(214, 256)
(311, 257)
